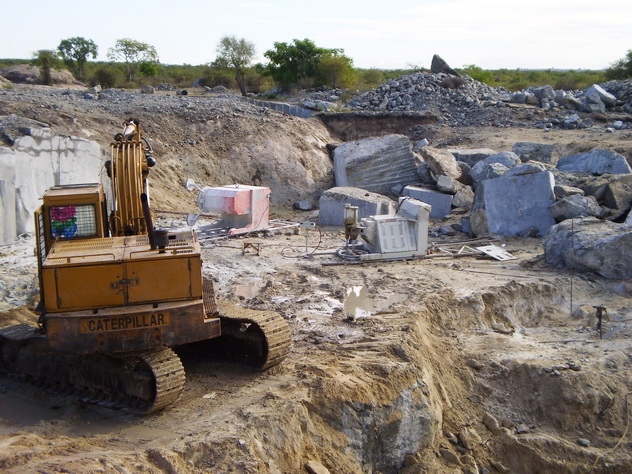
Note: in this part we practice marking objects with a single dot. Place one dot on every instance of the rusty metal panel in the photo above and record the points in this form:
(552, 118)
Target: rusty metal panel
(163, 279)
(80, 287)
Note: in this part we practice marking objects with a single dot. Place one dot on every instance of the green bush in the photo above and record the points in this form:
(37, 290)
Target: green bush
(106, 77)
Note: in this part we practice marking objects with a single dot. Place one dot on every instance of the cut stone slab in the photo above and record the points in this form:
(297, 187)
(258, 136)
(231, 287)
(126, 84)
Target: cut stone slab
(598, 161)
(375, 164)
(527, 151)
(441, 203)
(517, 204)
(440, 162)
(332, 204)
(589, 244)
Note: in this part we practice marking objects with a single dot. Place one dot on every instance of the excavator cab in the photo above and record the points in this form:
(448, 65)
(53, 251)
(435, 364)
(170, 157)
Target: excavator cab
(76, 211)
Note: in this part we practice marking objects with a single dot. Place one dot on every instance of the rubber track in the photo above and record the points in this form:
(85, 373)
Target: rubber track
(65, 374)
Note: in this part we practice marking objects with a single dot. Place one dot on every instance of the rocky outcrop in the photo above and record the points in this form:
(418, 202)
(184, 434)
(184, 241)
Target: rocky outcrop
(27, 74)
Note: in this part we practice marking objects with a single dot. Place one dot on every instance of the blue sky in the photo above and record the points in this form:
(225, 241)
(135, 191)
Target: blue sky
(569, 34)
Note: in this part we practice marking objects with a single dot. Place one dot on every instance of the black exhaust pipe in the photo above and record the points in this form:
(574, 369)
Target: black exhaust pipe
(148, 222)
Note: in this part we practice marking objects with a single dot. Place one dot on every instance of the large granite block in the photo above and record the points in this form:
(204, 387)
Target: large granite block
(375, 164)
(516, 204)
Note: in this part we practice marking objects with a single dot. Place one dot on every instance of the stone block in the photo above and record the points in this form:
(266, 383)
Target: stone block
(332, 204)
(441, 203)
(516, 204)
(375, 164)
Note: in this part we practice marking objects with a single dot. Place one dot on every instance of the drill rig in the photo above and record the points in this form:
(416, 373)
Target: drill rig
(117, 295)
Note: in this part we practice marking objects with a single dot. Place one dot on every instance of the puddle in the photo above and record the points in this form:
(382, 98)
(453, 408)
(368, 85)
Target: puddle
(359, 304)
(248, 289)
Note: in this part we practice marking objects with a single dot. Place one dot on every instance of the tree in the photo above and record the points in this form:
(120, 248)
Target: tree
(336, 70)
(75, 51)
(148, 69)
(621, 69)
(296, 63)
(236, 53)
(45, 60)
(132, 53)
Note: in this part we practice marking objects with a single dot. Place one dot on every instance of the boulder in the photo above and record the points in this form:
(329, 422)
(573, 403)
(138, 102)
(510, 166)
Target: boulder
(466, 173)
(439, 65)
(304, 205)
(484, 171)
(448, 185)
(618, 196)
(375, 164)
(28, 74)
(574, 206)
(5, 83)
(593, 104)
(471, 156)
(562, 191)
(534, 151)
(598, 161)
(332, 204)
(425, 174)
(478, 223)
(589, 244)
(441, 203)
(440, 162)
(516, 204)
(147, 89)
(596, 92)
(494, 166)
(464, 198)
(544, 93)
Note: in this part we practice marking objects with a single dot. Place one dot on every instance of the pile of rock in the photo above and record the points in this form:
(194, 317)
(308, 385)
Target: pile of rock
(463, 101)
(622, 90)
(437, 93)
(524, 192)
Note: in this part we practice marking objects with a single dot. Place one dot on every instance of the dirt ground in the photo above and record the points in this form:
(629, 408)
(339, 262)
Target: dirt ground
(441, 364)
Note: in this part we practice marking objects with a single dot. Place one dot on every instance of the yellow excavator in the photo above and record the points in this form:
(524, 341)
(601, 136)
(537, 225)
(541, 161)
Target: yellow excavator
(117, 295)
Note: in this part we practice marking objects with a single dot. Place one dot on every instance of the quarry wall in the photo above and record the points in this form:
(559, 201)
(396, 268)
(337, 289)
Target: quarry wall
(38, 160)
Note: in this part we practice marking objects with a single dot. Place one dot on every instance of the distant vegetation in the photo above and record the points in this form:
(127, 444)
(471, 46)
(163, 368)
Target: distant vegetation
(291, 66)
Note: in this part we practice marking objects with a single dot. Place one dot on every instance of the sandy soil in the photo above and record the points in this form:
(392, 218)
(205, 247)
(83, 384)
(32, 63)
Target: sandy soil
(486, 340)
(435, 365)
